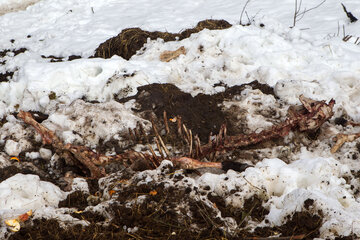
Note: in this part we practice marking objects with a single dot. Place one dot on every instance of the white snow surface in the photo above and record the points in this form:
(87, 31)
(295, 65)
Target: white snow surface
(309, 59)
(23, 192)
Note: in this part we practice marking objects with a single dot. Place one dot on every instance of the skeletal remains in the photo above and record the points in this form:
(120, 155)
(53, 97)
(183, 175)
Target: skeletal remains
(310, 117)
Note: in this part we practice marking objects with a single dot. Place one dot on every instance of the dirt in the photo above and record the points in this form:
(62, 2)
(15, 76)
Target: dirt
(300, 223)
(77, 199)
(166, 213)
(7, 75)
(202, 113)
(61, 59)
(130, 40)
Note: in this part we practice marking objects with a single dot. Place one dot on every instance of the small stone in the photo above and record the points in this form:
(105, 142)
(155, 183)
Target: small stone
(45, 153)
(12, 148)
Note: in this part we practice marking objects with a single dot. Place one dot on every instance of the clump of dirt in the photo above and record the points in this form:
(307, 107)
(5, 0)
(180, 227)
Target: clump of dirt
(130, 40)
(53, 58)
(77, 199)
(10, 171)
(202, 113)
(299, 223)
(308, 203)
(60, 59)
(4, 52)
(350, 237)
(5, 77)
(252, 207)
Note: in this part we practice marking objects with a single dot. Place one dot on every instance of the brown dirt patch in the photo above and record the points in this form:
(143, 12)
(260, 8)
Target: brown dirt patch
(297, 224)
(6, 76)
(202, 113)
(77, 199)
(252, 207)
(130, 40)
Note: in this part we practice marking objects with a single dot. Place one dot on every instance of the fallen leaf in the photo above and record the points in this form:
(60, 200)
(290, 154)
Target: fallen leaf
(111, 192)
(153, 192)
(13, 224)
(15, 158)
(167, 56)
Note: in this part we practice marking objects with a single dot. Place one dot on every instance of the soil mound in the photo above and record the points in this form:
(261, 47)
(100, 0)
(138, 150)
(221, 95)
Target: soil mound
(131, 40)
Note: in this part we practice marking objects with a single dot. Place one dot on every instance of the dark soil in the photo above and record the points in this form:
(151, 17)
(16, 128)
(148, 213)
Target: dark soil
(202, 114)
(60, 59)
(297, 224)
(130, 40)
(77, 199)
(15, 51)
(5, 77)
(252, 207)
(165, 214)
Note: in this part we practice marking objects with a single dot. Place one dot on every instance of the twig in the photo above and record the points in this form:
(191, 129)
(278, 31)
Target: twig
(191, 142)
(166, 122)
(154, 157)
(178, 120)
(343, 138)
(242, 12)
(82, 154)
(159, 148)
(299, 15)
(159, 138)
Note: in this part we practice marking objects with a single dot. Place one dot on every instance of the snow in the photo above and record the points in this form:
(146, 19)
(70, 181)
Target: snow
(309, 59)
(21, 193)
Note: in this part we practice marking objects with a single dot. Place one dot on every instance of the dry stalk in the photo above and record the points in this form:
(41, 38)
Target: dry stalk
(166, 123)
(343, 138)
(314, 114)
(82, 154)
(310, 118)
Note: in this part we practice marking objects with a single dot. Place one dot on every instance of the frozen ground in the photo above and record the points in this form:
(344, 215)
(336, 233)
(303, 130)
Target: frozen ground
(93, 102)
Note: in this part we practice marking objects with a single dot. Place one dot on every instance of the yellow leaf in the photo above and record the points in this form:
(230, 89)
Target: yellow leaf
(15, 158)
(13, 224)
(153, 192)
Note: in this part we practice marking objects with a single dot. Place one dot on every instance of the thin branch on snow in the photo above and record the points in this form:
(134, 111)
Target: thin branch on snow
(242, 12)
(298, 14)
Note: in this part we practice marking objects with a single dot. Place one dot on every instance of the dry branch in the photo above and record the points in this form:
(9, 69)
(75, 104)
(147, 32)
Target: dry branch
(311, 117)
(82, 154)
(343, 138)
